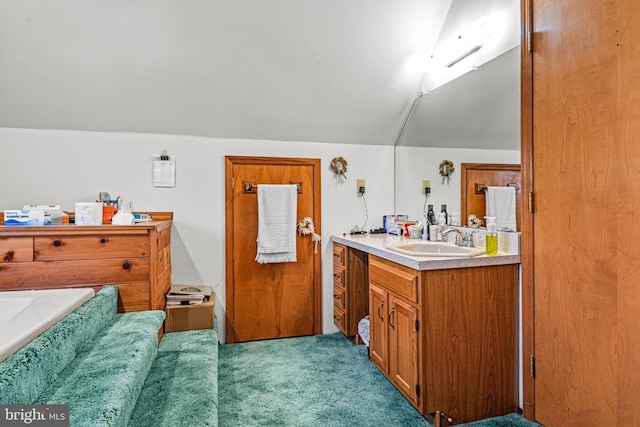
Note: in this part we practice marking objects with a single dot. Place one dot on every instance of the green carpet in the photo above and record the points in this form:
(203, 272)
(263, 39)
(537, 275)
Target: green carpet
(181, 388)
(321, 380)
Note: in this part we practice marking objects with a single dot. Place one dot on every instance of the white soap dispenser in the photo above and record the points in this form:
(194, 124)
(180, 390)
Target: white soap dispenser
(492, 236)
(124, 216)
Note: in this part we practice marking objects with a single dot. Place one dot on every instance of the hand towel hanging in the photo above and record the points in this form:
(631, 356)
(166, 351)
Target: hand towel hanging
(501, 203)
(277, 211)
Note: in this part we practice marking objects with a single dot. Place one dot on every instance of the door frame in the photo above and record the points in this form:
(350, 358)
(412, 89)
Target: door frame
(464, 167)
(527, 209)
(230, 162)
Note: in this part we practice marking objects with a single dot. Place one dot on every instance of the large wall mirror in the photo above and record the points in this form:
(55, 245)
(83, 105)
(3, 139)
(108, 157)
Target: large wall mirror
(474, 118)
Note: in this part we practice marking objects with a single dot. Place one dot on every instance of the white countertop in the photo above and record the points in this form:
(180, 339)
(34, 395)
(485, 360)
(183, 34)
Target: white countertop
(375, 244)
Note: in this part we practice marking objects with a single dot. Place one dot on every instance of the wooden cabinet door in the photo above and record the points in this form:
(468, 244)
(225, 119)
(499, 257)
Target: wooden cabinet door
(378, 328)
(580, 170)
(403, 347)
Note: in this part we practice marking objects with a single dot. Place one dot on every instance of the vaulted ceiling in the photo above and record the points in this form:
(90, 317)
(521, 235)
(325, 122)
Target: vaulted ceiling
(294, 70)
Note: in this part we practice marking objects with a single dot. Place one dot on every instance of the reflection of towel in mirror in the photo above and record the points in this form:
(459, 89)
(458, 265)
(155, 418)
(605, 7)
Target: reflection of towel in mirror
(277, 210)
(501, 203)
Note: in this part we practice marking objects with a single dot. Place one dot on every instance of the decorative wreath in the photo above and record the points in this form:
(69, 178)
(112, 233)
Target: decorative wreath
(339, 167)
(446, 169)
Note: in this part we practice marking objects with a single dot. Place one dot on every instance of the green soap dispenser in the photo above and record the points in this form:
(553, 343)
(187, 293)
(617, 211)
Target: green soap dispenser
(492, 236)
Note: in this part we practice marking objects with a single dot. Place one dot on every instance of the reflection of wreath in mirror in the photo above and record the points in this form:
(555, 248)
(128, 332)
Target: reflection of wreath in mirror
(446, 169)
(339, 167)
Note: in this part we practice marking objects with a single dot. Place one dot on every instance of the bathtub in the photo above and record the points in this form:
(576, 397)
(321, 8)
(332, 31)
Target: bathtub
(26, 314)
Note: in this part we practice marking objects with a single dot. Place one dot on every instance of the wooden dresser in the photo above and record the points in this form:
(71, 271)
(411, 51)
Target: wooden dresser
(135, 258)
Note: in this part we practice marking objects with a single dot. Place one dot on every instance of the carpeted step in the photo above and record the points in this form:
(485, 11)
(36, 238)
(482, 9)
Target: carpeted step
(28, 372)
(103, 383)
(182, 386)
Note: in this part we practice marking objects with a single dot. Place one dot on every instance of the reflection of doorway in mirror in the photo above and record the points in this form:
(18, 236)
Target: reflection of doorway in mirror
(489, 175)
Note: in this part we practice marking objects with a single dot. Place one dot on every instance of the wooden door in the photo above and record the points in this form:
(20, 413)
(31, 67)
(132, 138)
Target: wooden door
(270, 300)
(576, 157)
(473, 201)
(378, 328)
(403, 347)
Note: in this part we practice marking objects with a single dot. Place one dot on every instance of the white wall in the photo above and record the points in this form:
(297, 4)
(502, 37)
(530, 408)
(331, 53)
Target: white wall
(418, 164)
(63, 167)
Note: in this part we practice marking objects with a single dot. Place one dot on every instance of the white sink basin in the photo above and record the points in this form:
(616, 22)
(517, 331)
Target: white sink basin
(435, 249)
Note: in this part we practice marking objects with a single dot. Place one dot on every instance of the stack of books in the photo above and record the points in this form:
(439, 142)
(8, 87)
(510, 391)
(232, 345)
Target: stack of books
(188, 294)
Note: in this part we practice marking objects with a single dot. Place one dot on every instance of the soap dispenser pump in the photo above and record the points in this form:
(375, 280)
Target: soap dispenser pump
(492, 236)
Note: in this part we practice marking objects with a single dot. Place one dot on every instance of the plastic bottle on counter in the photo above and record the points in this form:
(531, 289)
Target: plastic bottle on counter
(431, 216)
(442, 223)
(443, 210)
(492, 236)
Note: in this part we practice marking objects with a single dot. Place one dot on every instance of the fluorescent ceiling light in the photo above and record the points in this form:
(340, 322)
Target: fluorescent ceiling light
(462, 45)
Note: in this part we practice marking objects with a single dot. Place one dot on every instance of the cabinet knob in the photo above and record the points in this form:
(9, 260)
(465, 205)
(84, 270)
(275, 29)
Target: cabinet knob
(103, 240)
(57, 243)
(126, 266)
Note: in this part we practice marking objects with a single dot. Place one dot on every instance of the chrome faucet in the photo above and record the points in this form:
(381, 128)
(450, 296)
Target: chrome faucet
(462, 239)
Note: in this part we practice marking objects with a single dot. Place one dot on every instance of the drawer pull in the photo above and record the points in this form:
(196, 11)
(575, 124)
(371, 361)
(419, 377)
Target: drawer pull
(338, 318)
(336, 255)
(336, 296)
(103, 240)
(126, 266)
(336, 276)
(57, 243)
(380, 308)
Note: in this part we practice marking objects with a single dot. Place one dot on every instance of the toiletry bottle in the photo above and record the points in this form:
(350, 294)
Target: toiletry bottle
(431, 216)
(434, 230)
(492, 236)
(441, 226)
(443, 210)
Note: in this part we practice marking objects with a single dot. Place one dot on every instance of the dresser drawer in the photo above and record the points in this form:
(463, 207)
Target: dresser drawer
(90, 247)
(397, 278)
(16, 249)
(339, 255)
(34, 275)
(339, 278)
(339, 319)
(339, 297)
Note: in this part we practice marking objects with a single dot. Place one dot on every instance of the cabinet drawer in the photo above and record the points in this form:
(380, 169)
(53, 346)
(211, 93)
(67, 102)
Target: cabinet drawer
(339, 297)
(339, 255)
(28, 275)
(339, 319)
(16, 249)
(90, 247)
(339, 276)
(397, 278)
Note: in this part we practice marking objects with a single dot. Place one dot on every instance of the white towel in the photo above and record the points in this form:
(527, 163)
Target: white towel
(501, 203)
(277, 210)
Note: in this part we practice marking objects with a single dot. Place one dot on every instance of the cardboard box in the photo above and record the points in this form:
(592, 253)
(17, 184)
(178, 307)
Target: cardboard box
(23, 217)
(189, 317)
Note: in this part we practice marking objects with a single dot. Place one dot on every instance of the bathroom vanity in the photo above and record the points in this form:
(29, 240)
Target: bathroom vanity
(443, 330)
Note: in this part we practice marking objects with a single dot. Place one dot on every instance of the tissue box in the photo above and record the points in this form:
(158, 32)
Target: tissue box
(88, 213)
(23, 217)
